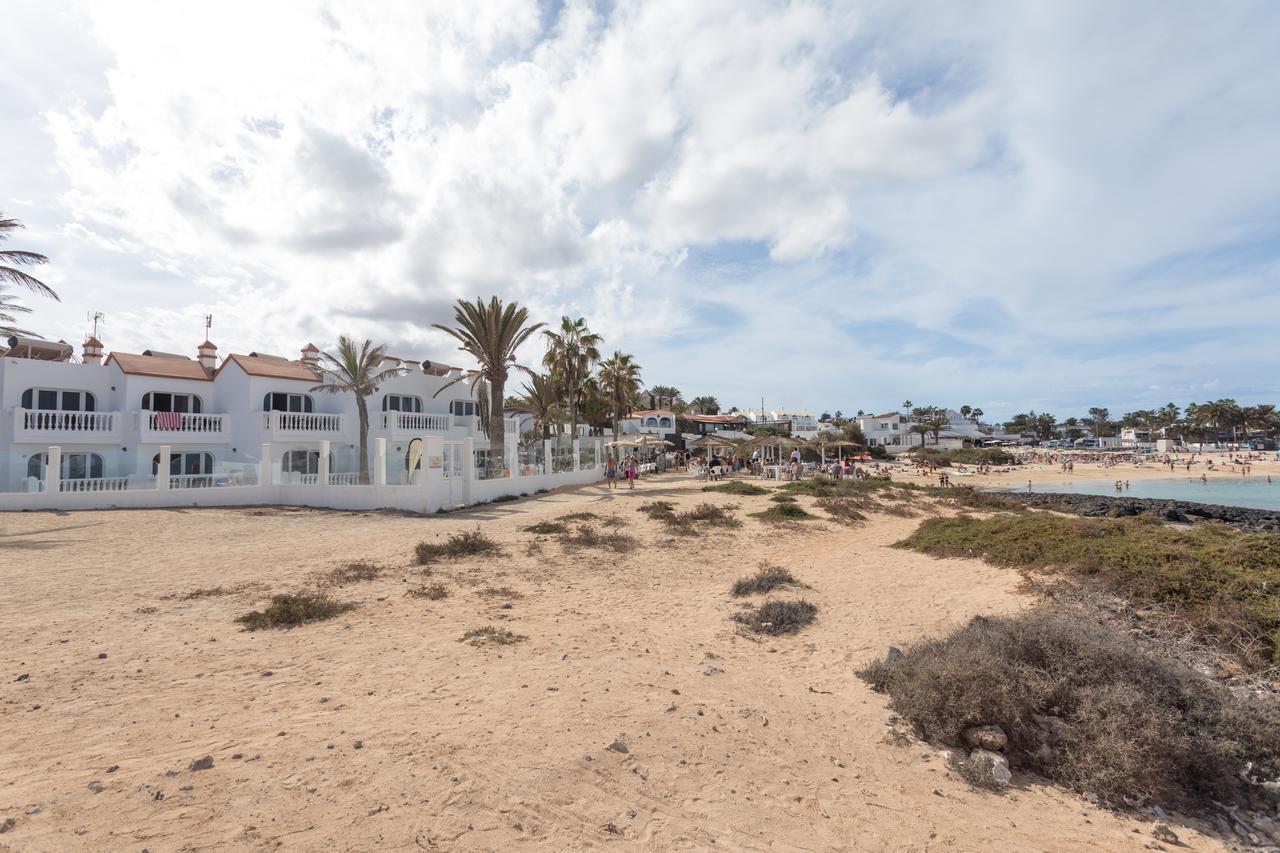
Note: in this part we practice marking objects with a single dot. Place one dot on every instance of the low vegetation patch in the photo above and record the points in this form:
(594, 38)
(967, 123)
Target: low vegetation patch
(737, 487)
(767, 579)
(657, 509)
(846, 487)
(784, 513)
(474, 543)
(205, 592)
(701, 518)
(971, 498)
(432, 591)
(1083, 704)
(843, 510)
(579, 516)
(546, 528)
(498, 592)
(350, 573)
(980, 456)
(286, 611)
(778, 617)
(588, 536)
(1224, 584)
(491, 636)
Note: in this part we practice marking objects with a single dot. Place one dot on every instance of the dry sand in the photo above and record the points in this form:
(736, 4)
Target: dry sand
(379, 730)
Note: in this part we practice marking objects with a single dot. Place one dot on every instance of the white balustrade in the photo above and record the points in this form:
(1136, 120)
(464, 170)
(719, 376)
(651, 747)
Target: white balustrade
(349, 478)
(306, 423)
(191, 481)
(46, 425)
(95, 484)
(415, 422)
(165, 426)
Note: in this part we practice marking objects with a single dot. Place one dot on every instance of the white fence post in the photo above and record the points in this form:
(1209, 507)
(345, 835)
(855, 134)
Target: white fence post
(468, 468)
(322, 472)
(53, 470)
(599, 453)
(548, 461)
(379, 461)
(432, 453)
(162, 468)
(577, 460)
(264, 465)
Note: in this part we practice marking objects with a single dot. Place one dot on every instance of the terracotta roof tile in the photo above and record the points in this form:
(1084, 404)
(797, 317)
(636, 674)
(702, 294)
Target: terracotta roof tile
(168, 367)
(272, 367)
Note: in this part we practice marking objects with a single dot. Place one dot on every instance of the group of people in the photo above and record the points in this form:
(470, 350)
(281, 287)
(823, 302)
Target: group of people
(627, 469)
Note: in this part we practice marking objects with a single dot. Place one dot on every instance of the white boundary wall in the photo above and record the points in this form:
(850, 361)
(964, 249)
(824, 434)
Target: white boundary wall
(433, 493)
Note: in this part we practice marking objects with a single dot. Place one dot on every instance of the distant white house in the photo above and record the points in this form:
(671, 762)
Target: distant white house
(892, 431)
(659, 422)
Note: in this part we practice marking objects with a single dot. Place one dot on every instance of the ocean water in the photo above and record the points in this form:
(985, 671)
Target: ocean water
(1253, 492)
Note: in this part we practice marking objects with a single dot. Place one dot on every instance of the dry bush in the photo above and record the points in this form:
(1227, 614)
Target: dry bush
(843, 510)
(782, 499)
(205, 592)
(286, 611)
(1225, 583)
(1084, 705)
(499, 592)
(546, 528)
(698, 520)
(360, 570)
(657, 509)
(970, 498)
(470, 544)
(783, 513)
(778, 617)
(737, 487)
(492, 636)
(587, 536)
(767, 579)
(579, 516)
(433, 591)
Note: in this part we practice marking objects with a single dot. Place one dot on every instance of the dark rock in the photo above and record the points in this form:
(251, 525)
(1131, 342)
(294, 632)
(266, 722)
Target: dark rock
(96, 786)
(205, 763)
(23, 677)
(102, 655)
(8, 824)
(1183, 512)
(618, 746)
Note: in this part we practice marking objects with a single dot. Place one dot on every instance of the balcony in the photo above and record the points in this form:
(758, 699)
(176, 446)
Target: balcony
(41, 426)
(303, 425)
(183, 428)
(409, 424)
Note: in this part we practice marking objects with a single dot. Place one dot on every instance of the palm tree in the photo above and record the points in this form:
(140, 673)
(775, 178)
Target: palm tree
(620, 380)
(664, 394)
(539, 399)
(357, 369)
(705, 405)
(976, 415)
(595, 405)
(571, 352)
(491, 333)
(15, 276)
(920, 429)
(8, 307)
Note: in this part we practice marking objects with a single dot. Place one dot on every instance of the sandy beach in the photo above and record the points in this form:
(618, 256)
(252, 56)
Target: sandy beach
(380, 730)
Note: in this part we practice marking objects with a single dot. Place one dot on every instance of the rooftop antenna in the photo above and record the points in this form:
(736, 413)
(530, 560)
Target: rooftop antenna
(96, 317)
(208, 324)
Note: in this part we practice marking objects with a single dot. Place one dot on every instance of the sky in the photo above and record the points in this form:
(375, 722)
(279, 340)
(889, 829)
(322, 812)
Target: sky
(832, 206)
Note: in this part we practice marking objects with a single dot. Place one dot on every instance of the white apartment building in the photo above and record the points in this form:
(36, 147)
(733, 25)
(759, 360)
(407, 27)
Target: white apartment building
(110, 417)
(892, 431)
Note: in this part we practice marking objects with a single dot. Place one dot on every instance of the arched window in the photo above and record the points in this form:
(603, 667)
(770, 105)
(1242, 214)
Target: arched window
(50, 399)
(303, 462)
(664, 421)
(163, 401)
(401, 403)
(192, 462)
(75, 466)
(650, 422)
(276, 401)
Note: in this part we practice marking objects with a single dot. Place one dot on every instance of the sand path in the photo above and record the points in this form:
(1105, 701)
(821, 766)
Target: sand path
(733, 743)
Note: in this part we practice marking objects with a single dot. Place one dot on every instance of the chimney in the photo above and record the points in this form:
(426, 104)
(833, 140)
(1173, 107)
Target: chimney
(207, 355)
(92, 351)
(311, 356)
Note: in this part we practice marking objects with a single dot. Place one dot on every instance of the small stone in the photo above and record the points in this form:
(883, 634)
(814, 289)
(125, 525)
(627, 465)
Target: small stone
(1162, 832)
(102, 655)
(8, 824)
(113, 768)
(358, 745)
(186, 787)
(236, 756)
(986, 737)
(987, 769)
(618, 746)
(33, 810)
(506, 605)
(671, 707)
(24, 677)
(205, 763)
(96, 786)
(330, 745)
(267, 673)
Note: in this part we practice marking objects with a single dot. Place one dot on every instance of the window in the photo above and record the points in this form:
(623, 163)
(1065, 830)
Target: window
(895, 425)
(303, 462)
(284, 402)
(58, 401)
(185, 463)
(463, 407)
(664, 421)
(650, 422)
(75, 466)
(401, 403)
(163, 401)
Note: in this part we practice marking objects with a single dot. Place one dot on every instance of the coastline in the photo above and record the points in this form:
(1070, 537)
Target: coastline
(1246, 519)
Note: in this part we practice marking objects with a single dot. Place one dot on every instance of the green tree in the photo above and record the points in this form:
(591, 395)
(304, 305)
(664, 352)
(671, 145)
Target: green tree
(1100, 421)
(10, 260)
(539, 397)
(491, 333)
(357, 369)
(620, 381)
(705, 405)
(664, 395)
(571, 352)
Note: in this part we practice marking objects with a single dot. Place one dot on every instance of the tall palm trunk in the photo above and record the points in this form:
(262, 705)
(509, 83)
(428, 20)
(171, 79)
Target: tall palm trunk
(362, 409)
(497, 428)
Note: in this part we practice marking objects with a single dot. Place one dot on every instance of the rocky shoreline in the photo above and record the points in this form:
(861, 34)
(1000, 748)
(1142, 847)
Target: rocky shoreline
(1182, 512)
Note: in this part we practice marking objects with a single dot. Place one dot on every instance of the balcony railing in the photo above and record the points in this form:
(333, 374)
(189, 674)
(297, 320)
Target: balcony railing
(413, 422)
(95, 484)
(164, 427)
(48, 426)
(302, 423)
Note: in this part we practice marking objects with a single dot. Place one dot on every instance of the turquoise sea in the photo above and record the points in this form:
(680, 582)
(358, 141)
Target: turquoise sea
(1253, 492)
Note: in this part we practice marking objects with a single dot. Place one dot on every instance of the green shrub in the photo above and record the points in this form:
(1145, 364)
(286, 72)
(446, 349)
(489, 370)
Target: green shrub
(286, 611)
(490, 635)
(586, 536)
(782, 499)
(1084, 705)
(736, 487)
(1226, 584)
(471, 544)
(784, 512)
(778, 617)
(980, 456)
(360, 570)
(546, 528)
(767, 579)
(434, 591)
(657, 509)
(843, 510)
